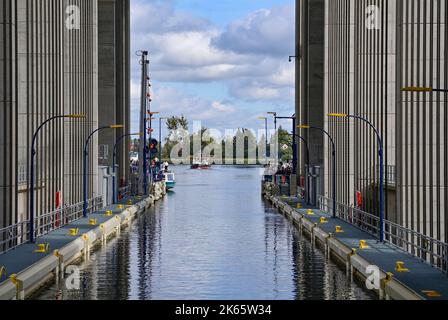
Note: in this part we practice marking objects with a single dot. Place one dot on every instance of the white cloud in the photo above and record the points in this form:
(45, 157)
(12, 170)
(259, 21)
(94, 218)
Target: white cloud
(264, 32)
(223, 107)
(249, 57)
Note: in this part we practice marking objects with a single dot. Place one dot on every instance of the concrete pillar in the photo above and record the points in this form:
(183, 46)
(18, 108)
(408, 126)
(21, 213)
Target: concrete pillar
(114, 81)
(310, 25)
(8, 138)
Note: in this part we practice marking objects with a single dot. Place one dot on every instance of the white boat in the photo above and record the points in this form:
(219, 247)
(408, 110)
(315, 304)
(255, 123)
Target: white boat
(170, 180)
(200, 164)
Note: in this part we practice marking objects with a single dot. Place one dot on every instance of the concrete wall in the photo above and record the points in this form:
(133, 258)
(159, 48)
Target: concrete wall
(422, 118)
(8, 114)
(47, 69)
(114, 81)
(310, 75)
(372, 50)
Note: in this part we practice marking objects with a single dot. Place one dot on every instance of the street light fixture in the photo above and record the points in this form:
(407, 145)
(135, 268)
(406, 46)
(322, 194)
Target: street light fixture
(33, 154)
(265, 119)
(381, 159)
(86, 153)
(114, 185)
(334, 162)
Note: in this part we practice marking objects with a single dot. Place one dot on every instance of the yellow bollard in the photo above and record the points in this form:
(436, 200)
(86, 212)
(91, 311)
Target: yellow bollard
(339, 229)
(310, 212)
(400, 267)
(42, 248)
(363, 244)
(323, 220)
(431, 293)
(299, 206)
(2, 271)
(93, 222)
(109, 213)
(14, 279)
(73, 232)
(120, 207)
(130, 202)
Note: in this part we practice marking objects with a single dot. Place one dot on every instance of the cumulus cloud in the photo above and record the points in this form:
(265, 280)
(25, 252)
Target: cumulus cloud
(224, 106)
(250, 57)
(161, 17)
(265, 32)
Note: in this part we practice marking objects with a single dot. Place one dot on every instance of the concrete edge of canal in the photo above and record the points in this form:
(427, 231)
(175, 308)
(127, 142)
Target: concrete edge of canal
(390, 288)
(52, 267)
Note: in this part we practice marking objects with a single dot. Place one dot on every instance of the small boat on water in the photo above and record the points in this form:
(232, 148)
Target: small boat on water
(200, 164)
(170, 180)
(197, 166)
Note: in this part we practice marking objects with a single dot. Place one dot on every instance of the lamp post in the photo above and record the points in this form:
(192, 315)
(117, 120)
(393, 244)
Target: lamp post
(307, 160)
(307, 149)
(86, 153)
(266, 137)
(381, 159)
(114, 188)
(294, 144)
(274, 114)
(160, 137)
(31, 176)
(423, 89)
(151, 118)
(334, 162)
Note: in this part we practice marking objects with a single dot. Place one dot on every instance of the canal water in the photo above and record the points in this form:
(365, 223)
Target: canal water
(213, 238)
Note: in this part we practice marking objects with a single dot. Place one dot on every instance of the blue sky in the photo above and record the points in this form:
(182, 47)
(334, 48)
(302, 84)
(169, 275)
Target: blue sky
(224, 63)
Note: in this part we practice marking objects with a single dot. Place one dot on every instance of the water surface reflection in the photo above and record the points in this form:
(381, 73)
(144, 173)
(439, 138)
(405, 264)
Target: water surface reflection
(213, 238)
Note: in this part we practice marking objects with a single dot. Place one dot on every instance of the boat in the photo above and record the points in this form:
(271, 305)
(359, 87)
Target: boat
(170, 180)
(200, 164)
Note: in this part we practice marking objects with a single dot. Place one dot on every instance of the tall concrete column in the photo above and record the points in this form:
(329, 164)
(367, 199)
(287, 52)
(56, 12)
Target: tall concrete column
(8, 133)
(310, 32)
(114, 80)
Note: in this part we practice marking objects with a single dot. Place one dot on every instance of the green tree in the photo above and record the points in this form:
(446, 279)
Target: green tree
(285, 145)
(174, 125)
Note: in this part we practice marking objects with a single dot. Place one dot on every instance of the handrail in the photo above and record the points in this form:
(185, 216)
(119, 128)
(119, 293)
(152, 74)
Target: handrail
(427, 249)
(15, 235)
(124, 191)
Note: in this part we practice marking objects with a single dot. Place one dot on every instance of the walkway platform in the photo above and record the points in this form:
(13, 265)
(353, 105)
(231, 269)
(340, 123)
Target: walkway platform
(25, 268)
(425, 281)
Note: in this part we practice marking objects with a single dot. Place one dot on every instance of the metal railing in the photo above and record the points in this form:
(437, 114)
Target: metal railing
(427, 249)
(17, 234)
(13, 236)
(124, 192)
(390, 174)
(51, 221)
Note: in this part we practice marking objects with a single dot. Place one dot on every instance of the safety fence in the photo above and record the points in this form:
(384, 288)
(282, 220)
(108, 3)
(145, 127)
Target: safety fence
(124, 192)
(425, 248)
(17, 234)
